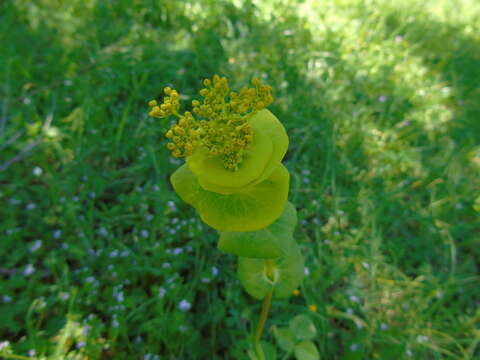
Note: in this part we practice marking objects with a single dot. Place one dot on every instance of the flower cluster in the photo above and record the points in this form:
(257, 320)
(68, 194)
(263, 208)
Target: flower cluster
(222, 127)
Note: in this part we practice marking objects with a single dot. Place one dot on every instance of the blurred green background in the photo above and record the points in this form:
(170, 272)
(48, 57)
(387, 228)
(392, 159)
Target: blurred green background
(99, 259)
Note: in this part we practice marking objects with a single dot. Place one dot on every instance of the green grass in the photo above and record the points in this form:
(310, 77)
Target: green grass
(381, 101)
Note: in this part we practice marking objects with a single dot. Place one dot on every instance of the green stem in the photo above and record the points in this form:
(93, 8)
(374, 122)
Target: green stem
(263, 315)
(267, 301)
(259, 350)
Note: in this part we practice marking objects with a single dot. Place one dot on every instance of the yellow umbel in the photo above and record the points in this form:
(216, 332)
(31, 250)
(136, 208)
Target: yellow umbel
(222, 127)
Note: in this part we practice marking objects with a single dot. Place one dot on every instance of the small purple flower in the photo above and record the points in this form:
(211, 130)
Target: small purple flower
(161, 292)
(382, 98)
(172, 206)
(14, 201)
(37, 244)
(37, 171)
(102, 231)
(29, 270)
(354, 298)
(115, 322)
(177, 251)
(31, 206)
(184, 305)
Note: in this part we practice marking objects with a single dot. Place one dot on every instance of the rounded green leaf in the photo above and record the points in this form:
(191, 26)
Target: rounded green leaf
(285, 338)
(266, 123)
(306, 350)
(277, 134)
(303, 327)
(268, 243)
(287, 270)
(248, 210)
(253, 277)
(209, 168)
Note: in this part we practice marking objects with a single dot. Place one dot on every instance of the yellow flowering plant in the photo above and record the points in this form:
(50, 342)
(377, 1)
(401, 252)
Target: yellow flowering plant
(233, 177)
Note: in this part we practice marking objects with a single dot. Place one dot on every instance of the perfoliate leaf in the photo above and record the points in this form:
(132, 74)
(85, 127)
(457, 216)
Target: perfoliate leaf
(290, 272)
(303, 327)
(249, 210)
(268, 243)
(306, 350)
(270, 142)
(287, 270)
(252, 275)
(276, 132)
(285, 338)
(210, 168)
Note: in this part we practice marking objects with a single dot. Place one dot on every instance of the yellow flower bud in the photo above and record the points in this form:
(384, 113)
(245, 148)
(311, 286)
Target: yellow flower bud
(179, 131)
(152, 103)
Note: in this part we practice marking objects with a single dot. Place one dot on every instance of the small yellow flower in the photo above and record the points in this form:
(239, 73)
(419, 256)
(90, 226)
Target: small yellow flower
(296, 292)
(312, 308)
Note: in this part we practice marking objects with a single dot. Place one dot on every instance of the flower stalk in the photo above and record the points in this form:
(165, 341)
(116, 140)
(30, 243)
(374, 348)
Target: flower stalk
(233, 176)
